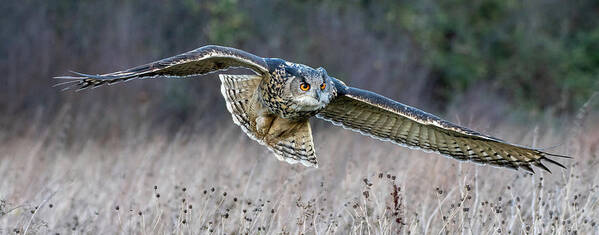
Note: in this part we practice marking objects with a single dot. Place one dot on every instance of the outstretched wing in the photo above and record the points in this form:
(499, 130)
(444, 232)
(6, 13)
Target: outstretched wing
(380, 117)
(199, 61)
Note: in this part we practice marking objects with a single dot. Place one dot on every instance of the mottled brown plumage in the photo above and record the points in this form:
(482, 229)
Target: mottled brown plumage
(273, 107)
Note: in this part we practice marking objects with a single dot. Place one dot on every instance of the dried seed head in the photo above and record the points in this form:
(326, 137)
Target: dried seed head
(439, 191)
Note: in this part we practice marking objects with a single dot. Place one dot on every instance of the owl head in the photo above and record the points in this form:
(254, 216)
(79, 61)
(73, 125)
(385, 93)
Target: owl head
(303, 90)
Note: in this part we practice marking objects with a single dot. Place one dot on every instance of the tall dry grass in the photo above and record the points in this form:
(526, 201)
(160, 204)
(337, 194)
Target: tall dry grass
(116, 173)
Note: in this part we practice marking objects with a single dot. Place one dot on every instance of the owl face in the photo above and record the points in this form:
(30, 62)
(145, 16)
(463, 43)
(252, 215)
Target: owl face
(295, 91)
(310, 89)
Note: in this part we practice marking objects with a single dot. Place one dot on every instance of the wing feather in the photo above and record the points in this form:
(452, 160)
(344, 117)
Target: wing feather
(200, 61)
(370, 114)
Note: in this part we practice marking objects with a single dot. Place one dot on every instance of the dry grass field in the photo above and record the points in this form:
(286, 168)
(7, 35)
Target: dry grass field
(71, 177)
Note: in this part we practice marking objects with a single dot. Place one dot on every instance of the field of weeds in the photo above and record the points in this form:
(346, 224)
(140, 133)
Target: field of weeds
(69, 176)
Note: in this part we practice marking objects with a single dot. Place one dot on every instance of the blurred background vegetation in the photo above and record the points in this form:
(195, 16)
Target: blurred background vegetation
(535, 56)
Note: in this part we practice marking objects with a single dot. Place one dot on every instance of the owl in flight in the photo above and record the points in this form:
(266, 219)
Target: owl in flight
(274, 106)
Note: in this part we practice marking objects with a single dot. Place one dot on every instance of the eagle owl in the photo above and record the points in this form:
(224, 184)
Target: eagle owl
(274, 106)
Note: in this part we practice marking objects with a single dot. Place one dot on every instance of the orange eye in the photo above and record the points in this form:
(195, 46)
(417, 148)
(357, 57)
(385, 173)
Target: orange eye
(305, 86)
(323, 86)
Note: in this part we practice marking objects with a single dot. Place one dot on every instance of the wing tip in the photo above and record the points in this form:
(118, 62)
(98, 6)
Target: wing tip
(542, 166)
(539, 163)
(545, 157)
(557, 155)
(527, 168)
(552, 162)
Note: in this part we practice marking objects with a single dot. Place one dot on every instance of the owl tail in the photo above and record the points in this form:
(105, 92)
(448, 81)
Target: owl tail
(295, 145)
(292, 141)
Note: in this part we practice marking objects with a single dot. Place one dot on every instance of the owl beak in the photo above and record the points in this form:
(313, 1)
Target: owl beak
(317, 95)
